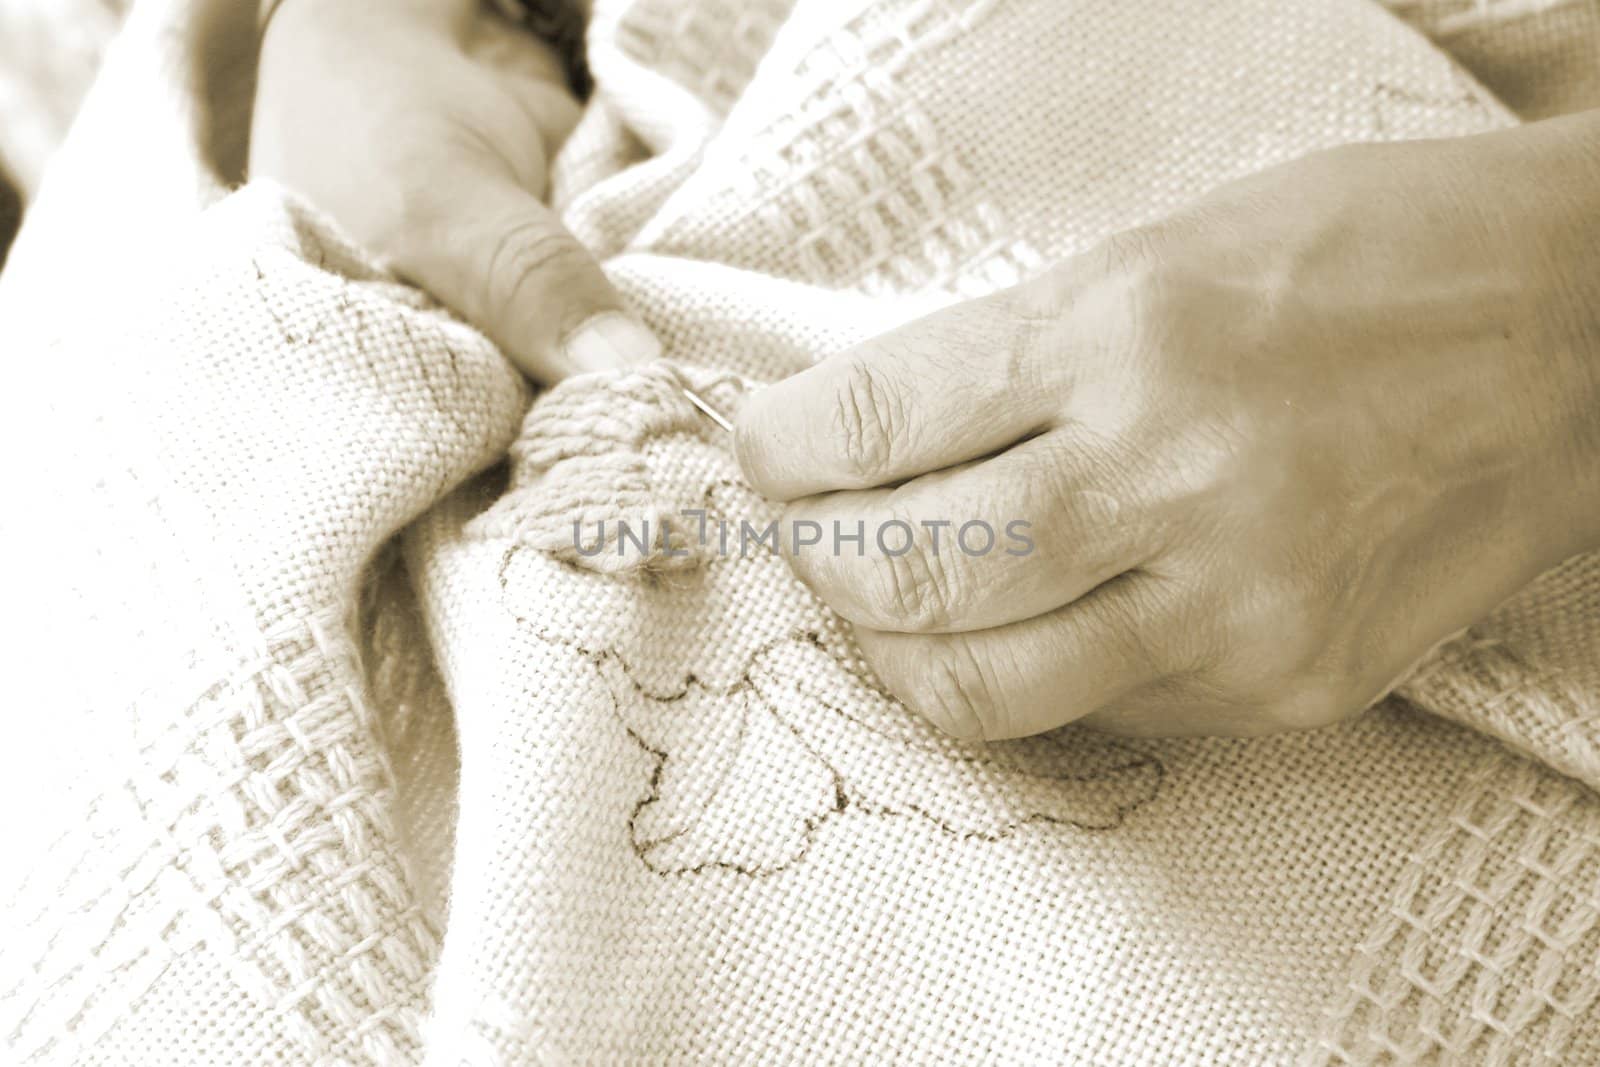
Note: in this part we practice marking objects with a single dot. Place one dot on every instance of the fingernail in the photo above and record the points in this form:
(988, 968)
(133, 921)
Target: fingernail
(610, 340)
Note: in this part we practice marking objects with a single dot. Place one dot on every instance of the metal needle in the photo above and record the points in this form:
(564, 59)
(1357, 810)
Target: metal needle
(710, 412)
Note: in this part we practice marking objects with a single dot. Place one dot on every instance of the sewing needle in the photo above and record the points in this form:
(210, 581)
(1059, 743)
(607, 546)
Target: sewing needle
(710, 412)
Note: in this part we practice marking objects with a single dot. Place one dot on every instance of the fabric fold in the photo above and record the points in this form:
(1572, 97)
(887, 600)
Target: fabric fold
(329, 794)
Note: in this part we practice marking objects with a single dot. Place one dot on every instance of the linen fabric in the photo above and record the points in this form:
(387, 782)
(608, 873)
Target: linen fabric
(355, 760)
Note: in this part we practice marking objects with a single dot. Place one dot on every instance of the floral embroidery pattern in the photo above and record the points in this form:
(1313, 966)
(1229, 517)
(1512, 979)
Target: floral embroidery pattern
(745, 774)
(742, 687)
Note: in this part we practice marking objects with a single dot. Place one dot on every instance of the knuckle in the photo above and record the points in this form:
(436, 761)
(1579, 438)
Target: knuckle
(1150, 306)
(952, 689)
(868, 419)
(1149, 626)
(918, 590)
(1140, 295)
(528, 256)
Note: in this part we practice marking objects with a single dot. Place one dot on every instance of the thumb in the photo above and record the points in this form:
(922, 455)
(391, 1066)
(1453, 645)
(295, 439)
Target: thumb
(502, 260)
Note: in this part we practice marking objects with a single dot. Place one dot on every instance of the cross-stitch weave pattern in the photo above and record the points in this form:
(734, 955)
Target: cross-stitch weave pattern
(372, 764)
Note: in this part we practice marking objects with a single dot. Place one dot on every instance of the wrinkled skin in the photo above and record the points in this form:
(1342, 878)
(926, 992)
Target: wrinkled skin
(1272, 449)
(425, 128)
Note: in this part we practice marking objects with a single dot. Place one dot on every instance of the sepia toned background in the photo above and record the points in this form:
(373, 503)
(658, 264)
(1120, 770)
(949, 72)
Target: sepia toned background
(1542, 57)
(599, 894)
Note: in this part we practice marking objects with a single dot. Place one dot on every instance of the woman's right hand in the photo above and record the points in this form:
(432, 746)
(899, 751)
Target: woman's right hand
(425, 129)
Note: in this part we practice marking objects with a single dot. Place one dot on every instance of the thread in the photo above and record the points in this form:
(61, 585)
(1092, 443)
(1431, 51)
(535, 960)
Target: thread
(580, 486)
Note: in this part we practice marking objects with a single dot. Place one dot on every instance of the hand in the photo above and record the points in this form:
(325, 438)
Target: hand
(1272, 450)
(425, 128)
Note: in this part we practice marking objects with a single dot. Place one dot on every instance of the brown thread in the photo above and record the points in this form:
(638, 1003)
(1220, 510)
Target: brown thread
(598, 431)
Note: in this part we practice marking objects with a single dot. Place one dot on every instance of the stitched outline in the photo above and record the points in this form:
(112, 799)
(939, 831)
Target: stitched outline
(844, 796)
(681, 421)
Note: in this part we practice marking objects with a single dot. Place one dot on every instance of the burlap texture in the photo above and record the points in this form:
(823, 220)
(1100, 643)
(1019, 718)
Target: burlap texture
(690, 827)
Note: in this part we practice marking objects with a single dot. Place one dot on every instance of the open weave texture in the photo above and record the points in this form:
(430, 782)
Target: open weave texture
(330, 795)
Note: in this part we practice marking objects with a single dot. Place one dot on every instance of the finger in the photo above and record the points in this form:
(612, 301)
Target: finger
(947, 388)
(975, 546)
(501, 259)
(1026, 677)
(530, 71)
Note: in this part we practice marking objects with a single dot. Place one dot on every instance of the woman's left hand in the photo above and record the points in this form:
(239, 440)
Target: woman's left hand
(1270, 450)
(425, 128)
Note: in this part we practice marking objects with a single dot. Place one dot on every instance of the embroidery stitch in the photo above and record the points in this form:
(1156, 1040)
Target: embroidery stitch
(780, 728)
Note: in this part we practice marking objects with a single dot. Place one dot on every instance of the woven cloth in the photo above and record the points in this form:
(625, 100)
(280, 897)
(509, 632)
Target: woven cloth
(1541, 57)
(338, 753)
